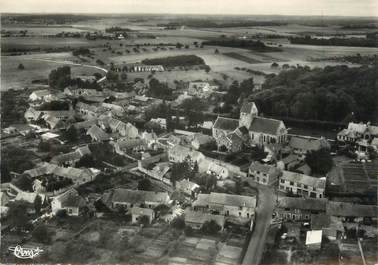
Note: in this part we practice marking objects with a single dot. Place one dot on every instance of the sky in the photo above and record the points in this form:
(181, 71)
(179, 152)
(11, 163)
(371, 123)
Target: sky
(247, 7)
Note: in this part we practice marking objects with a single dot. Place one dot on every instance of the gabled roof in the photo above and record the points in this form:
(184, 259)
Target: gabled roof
(141, 211)
(247, 107)
(303, 179)
(53, 121)
(42, 169)
(373, 129)
(257, 166)
(88, 107)
(265, 125)
(226, 124)
(308, 143)
(70, 198)
(85, 124)
(130, 143)
(348, 133)
(357, 127)
(33, 112)
(139, 196)
(225, 199)
(41, 93)
(201, 217)
(71, 156)
(344, 209)
(186, 184)
(96, 132)
(26, 196)
(310, 204)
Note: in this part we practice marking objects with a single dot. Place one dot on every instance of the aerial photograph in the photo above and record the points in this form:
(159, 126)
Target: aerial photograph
(189, 132)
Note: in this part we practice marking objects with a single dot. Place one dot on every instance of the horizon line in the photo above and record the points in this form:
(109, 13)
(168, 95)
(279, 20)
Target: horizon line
(181, 14)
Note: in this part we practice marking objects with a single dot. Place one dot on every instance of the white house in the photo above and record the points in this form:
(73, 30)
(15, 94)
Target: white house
(302, 184)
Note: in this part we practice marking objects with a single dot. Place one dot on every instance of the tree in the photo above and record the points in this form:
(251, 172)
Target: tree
(188, 231)
(162, 209)
(112, 76)
(71, 134)
(21, 67)
(181, 171)
(211, 227)
(17, 214)
(178, 223)
(274, 65)
(23, 182)
(320, 161)
(38, 204)
(145, 184)
(41, 234)
(144, 220)
(123, 76)
(97, 76)
(158, 89)
(60, 77)
(86, 161)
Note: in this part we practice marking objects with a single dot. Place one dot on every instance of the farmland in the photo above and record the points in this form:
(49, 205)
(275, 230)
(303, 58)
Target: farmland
(150, 41)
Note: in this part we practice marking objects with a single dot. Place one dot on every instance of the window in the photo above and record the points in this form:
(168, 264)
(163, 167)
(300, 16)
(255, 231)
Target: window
(305, 186)
(239, 213)
(291, 183)
(70, 211)
(313, 188)
(282, 187)
(299, 184)
(282, 181)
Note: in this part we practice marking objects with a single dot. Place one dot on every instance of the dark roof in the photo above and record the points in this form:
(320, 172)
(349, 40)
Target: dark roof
(265, 125)
(247, 107)
(242, 130)
(349, 209)
(226, 124)
(303, 203)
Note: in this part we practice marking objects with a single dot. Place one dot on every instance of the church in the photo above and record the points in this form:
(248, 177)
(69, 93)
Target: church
(250, 129)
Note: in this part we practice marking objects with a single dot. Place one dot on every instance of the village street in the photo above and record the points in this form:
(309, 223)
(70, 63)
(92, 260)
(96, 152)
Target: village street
(265, 205)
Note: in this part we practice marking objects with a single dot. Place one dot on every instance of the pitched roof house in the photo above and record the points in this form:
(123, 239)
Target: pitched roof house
(299, 209)
(196, 219)
(302, 145)
(97, 134)
(72, 157)
(138, 198)
(226, 204)
(263, 173)
(70, 201)
(302, 184)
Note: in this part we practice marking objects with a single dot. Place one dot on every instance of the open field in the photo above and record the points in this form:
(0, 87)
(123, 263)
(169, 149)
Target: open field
(43, 43)
(37, 66)
(42, 30)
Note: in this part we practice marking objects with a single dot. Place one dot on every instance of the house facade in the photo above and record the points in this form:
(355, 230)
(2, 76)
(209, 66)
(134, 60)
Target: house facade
(137, 198)
(301, 184)
(263, 174)
(226, 204)
(299, 209)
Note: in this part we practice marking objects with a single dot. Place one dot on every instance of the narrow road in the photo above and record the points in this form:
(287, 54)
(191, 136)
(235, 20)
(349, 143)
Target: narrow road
(265, 205)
